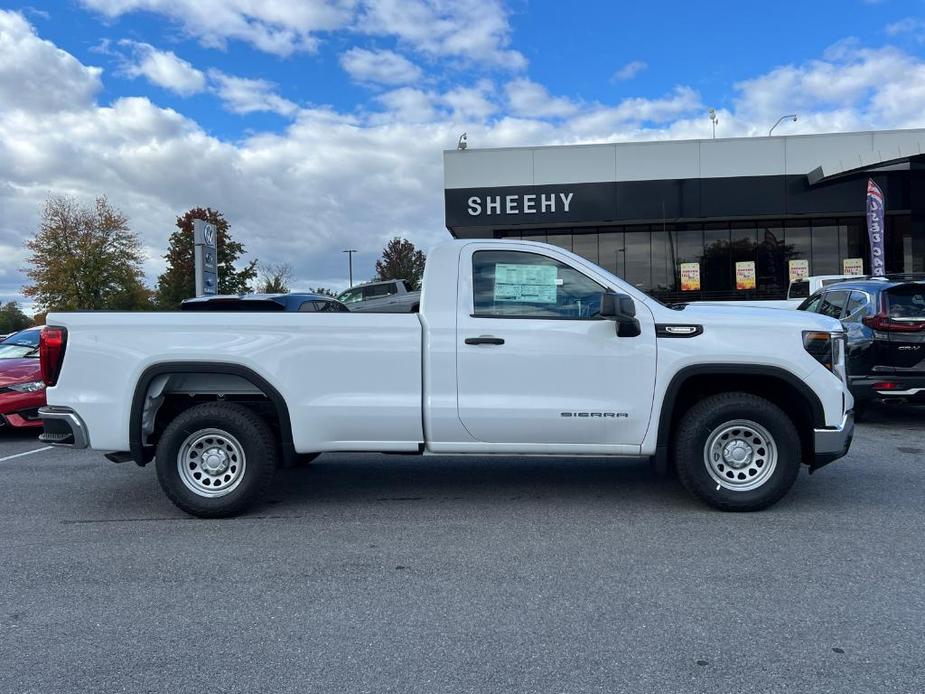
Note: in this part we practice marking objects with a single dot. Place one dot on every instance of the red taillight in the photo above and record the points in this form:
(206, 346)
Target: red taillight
(52, 342)
(884, 323)
(885, 385)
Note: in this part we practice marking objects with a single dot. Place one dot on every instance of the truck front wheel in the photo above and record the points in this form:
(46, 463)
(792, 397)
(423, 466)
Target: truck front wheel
(216, 459)
(737, 452)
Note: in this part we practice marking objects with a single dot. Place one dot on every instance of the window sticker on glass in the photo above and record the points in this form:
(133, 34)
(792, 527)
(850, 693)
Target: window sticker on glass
(527, 283)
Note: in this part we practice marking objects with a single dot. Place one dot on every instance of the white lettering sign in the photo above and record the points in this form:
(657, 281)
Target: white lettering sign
(517, 204)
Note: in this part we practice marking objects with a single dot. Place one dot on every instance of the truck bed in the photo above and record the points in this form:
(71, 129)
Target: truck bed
(345, 377)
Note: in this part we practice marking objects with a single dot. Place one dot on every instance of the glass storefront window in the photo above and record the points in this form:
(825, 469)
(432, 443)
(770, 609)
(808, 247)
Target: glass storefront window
(825, 248)
(560, 237)
(771, 260)
(638, 258)
(852, 242)
(742, 247)
(716, 270)
(799, 246)
(585, 245)
(612, 251)
(663, 261)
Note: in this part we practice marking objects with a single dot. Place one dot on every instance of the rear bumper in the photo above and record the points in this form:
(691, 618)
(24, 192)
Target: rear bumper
(903, 387)
(63, 427)
(832, 443)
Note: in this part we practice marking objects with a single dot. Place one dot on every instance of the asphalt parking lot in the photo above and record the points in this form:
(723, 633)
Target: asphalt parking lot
(367, 573)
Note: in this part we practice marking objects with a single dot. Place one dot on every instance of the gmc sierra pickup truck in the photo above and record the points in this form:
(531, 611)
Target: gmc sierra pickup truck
(518, 348)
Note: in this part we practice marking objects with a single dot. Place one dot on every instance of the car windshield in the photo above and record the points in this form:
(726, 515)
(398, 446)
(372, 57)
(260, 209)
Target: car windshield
(20, 345)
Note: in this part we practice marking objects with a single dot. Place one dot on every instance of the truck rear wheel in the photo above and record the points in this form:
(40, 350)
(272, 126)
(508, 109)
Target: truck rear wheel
(737, 452)
(216, 459)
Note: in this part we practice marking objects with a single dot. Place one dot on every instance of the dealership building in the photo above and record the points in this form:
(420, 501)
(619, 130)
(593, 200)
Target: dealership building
(701, 219)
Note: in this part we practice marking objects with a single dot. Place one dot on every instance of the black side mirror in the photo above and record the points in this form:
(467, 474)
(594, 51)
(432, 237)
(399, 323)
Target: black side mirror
(621, 309)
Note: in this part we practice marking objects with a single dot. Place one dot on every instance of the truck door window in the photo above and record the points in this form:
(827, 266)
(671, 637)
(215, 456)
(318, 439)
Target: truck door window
(515, 284)
(378, 291)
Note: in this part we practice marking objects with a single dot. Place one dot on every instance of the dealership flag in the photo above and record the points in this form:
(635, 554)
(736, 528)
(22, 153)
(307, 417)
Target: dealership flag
(875, 228)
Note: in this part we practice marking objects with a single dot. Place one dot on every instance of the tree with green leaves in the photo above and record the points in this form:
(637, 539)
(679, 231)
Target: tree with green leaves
(12, 319)
(401, 261)
(85, 258)
(178, 281)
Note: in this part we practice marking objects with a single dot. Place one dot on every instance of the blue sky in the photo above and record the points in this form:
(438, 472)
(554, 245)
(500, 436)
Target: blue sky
(319, 124)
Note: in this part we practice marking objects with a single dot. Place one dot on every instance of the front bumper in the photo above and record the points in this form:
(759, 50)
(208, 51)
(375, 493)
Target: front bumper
(832, 443)
(19, 409)
(63, 427)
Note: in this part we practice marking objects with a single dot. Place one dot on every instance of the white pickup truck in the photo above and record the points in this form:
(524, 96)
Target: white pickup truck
(518, 348)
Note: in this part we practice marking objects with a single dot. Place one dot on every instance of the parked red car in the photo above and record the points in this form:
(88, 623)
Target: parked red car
(22, 390)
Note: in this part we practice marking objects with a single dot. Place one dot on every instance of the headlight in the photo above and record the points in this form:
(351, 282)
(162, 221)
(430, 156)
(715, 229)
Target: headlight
(828, 349)
(29, 387)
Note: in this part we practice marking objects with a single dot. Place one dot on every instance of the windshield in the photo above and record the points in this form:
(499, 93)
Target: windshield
(21, 344)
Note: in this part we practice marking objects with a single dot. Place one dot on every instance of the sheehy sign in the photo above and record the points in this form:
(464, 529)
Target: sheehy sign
(519, 204)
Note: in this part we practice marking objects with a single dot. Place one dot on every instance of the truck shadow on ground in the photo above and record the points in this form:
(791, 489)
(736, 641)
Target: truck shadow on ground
(368, 478)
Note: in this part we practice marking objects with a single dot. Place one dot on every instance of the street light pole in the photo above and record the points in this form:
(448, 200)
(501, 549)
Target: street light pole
(713, 119)
(350, 252)
(781, 120)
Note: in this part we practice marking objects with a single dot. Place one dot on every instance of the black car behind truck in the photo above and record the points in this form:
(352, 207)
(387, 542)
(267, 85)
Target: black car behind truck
(884, 318)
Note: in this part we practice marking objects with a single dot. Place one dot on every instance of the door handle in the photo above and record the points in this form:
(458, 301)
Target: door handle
(484, 340)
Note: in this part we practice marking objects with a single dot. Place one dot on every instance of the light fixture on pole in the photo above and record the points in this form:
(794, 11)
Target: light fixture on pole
(780, 120)
(350, 252)
(714, 120)
(462, 143)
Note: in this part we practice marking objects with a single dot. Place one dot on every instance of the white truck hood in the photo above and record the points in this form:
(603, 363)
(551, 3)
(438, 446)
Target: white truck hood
(748, 317)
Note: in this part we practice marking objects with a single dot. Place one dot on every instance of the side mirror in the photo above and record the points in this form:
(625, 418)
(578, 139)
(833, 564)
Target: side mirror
(621, 309)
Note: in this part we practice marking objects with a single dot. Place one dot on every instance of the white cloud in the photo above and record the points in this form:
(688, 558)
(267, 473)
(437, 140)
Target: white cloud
(275, 27)
(36, 76)
(407, 105)
(629, 71)
(471, 103)
(382, 67)
(244, 95)
(477, 31)
(530, 99)
(163, 68)
(473, 30)
(909, 25)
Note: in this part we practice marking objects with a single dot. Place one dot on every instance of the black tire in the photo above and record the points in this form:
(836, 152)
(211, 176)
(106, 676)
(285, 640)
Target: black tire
(706, 422)
(242, 428)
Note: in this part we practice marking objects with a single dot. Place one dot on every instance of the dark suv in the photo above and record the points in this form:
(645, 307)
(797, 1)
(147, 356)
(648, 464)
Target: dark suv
(884, 318)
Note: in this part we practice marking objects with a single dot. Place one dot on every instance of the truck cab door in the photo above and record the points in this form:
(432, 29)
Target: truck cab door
(536, 364)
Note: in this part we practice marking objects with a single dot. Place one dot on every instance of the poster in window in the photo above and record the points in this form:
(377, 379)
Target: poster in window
(853, 266)
(690, 277)
(745, 274)
(799, 269)
(535, 284)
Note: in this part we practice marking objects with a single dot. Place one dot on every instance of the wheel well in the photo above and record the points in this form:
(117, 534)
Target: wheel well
(166, 390)
(782, 392)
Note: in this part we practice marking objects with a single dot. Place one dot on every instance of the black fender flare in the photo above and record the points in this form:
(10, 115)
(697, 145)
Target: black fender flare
(142, 454)
(666, 414)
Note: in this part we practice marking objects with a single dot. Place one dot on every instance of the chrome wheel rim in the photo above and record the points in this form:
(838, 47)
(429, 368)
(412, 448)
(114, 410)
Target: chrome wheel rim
(740, 455)
(211, 463)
